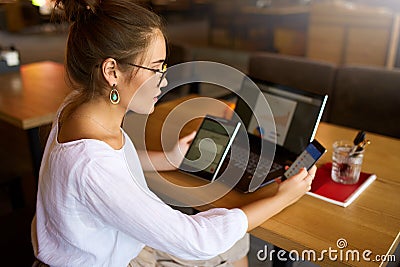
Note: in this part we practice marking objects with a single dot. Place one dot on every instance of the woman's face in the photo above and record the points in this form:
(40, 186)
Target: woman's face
(144, 88)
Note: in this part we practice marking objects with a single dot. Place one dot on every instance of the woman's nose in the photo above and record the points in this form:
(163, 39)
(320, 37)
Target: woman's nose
(164, 82)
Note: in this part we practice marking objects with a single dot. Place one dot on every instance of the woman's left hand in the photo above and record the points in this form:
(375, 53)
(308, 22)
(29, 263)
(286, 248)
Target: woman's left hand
(175, 156)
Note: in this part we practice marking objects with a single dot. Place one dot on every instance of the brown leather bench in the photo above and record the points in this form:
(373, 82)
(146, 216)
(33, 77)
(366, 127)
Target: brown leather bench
(367, 98)
(361, 97)
(297, 72)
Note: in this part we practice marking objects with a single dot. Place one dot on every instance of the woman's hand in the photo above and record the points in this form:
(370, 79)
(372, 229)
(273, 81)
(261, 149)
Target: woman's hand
(175, 156)
(288, 192)
(297, 185)
(165, 161)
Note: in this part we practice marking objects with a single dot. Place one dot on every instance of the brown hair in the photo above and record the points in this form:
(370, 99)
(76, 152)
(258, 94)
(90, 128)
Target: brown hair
(102, 29)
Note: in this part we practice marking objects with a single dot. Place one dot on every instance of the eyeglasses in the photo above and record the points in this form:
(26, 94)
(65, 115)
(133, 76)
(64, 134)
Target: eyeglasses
(163, 70)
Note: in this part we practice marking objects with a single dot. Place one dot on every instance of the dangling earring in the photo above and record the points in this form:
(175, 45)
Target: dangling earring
(114, 95)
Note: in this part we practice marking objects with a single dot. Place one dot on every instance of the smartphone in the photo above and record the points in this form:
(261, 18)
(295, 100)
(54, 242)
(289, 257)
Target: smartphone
(209, 147)
(307, 159)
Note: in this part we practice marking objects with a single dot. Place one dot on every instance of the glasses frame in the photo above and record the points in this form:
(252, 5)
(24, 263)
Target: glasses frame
(163, 71)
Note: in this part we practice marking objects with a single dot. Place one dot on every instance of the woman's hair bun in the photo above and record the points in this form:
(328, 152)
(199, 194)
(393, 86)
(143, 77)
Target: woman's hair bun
(78, 10)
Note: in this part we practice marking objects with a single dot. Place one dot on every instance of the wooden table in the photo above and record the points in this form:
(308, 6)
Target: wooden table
(30, 99)
(371, 222)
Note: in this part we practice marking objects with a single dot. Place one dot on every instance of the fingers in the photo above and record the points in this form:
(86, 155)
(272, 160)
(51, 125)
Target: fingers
(312, 170)
(299, 184)
(308, 180)
(306, 177)
(302, 174)
(310, 177)
(188, 138)
(307, 174)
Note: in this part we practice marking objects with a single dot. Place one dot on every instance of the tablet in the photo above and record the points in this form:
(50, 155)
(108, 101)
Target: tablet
(209, 147)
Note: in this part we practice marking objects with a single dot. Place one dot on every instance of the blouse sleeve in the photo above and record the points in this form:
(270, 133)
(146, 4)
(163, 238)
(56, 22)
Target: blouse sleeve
(110, 193)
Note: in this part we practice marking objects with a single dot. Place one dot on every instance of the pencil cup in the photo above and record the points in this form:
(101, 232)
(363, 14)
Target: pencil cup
(346, 163)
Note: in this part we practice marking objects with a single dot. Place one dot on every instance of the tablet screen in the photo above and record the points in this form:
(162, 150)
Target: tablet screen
(209, 147)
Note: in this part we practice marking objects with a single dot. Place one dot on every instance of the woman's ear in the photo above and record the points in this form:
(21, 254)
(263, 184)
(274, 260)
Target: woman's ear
(109, 70)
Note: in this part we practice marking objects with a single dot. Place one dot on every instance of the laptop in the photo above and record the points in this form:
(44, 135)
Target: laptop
(261, 159)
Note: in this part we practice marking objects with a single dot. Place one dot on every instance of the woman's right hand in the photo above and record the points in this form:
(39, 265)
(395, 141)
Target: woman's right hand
(288, 192)
(296, 186)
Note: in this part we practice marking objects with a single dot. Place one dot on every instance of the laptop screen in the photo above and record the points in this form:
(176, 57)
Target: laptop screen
(296, 113)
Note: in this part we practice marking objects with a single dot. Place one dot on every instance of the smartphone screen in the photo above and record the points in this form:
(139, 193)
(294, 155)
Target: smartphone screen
(307, 158)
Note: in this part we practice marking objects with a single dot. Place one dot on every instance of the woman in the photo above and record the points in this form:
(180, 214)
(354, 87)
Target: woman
(93, 205)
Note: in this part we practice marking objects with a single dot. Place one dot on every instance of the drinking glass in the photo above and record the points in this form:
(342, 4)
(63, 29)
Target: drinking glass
(346, 163)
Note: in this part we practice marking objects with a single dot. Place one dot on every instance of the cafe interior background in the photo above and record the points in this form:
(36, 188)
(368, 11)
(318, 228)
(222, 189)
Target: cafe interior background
(358, 32)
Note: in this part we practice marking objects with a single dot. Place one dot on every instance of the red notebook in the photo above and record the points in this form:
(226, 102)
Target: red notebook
(323, 187)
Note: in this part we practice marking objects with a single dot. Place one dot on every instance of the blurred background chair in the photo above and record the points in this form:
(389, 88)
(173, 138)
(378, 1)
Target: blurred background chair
(297, 72)
(367, 98)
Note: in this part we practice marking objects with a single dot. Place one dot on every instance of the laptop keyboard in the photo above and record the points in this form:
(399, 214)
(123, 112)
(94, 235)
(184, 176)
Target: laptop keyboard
(240, 160)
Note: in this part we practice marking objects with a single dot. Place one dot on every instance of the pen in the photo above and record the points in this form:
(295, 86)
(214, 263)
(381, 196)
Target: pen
(359, 147)
(359, 139)
(362, 145)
